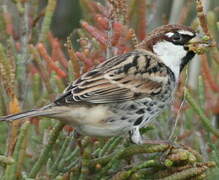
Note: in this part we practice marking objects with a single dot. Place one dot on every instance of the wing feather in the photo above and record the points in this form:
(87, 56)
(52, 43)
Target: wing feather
(129, 76)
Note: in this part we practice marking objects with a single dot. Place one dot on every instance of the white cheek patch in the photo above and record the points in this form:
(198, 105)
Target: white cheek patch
(183, 32)
(170, 54)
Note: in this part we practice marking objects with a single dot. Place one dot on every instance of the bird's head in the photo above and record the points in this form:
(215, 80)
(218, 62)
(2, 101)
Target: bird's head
(170, 44)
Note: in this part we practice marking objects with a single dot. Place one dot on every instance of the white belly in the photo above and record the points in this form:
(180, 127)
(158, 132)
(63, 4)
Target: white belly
(91, 120)
(106, 130)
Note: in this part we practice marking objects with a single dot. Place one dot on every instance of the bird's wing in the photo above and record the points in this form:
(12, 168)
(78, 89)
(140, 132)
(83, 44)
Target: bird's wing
(124, 77)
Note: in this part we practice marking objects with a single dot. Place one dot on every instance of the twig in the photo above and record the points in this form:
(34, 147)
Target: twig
(171, 137)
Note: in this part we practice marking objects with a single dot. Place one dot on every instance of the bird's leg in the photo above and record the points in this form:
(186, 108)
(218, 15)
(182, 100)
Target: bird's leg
(135, 135)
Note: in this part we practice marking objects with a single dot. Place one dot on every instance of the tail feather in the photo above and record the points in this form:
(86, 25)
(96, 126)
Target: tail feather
(32, 113)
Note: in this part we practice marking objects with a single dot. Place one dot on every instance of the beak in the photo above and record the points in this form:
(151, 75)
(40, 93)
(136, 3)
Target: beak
(199, 44)
(195, 40)
(200, 40)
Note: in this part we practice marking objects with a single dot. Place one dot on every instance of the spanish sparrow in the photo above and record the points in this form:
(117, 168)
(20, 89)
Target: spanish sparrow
(125, 92)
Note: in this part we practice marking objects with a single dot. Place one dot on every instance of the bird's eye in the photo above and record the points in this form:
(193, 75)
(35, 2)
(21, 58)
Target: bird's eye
(176, 37)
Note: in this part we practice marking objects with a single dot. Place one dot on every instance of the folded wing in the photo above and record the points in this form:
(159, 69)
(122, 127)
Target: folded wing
(136, 74)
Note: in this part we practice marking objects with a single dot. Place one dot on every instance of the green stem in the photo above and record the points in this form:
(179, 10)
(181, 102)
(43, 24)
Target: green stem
(205, 121)
(126, 174)
(130, 151)
(12, 169)
(47, 20)
(54, 168)
(186, 174)
(106, 147)
(85, 160)
(47, 149)
(6, 160)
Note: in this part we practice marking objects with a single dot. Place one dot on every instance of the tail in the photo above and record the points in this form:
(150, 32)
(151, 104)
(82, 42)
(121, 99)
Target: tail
(32, 113)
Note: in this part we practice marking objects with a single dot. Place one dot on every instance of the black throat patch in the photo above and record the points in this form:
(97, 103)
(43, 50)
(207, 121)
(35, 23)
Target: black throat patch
(186, 59)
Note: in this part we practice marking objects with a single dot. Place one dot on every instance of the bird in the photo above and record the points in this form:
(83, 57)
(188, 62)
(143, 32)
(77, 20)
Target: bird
(125, 92)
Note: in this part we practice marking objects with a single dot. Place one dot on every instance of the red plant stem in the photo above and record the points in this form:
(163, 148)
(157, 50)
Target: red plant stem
(43, 52)
(44, 75)
(99, 36)
(74, 59)
(209, 104)
(41, 69)
(8, 22)
(123, 49)
(117, 32)
(32, 69)
(88, 62)
(202, 17)
(207, 75)
(141, 29)
(100, 59)
(99, 8)
(18, 46)
(215, 109)
(97, 58)
(57, 54)
(102, 21)
(184, 12)
(62, 58)
(215, 55)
